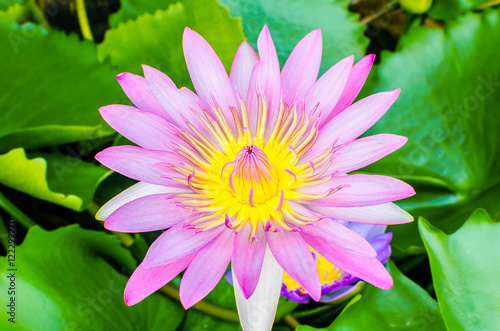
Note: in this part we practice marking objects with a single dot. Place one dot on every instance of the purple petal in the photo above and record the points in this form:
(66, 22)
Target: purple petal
(368, 231)
(142, 164)
(381, 244)
(357, 78)
(143, 128)
(144, 282)
(208, 74)
(206, 269)
(333, 232)
(137, 90)
(301, 69)
(365, 267)
(243, 63)
(177, 243)
(359, 191)
(248, 257)
(362, 152)
(386, 213)
(352, 122)
(136, 191)
(327, 90)
(149, 213)
(344, 290)
(295, 257)
(296, 295)
(265, 76)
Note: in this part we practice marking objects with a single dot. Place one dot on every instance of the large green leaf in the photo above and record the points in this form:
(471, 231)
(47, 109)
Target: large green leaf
(64, 180)
(4, 4)
(447, 108)
(16, 12)
(152, 39)
(404, 307)
(449, 91)
(289, 21)
(446, 9)
(52, 87)
(73, 279)
(156, 39)
(465, 272)
(131, 9)
(447, 211)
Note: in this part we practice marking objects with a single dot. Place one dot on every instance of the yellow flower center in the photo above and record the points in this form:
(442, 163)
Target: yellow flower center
(244, 178)
(253, 180)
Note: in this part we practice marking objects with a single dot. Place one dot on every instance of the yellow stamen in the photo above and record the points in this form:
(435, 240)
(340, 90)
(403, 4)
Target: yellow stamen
(247, 179)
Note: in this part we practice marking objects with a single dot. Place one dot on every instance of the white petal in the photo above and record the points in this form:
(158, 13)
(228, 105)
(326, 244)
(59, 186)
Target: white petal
(136, 191)
(257, 312)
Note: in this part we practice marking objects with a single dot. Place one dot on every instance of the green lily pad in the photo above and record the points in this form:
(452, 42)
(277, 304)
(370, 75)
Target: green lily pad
(448, 89)
(289, 21)
(449, 93)
(156, 39)
(138, 42)
(16, 12)
(131, 9)
(404, 307)
(446, 210)
(4, 4)
(465, 272)
(73, 279)
(446, 9)
(63, 180)
(52, 88)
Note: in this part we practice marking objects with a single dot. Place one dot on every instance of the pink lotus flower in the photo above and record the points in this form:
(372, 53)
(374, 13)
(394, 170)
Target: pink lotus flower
(250, 171)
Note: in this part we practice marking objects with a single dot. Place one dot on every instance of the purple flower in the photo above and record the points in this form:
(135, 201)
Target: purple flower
(250, 170)
(336, 283)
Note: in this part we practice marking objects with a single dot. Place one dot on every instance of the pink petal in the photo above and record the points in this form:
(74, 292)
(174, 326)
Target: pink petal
(149, 213)
(301, 69)
(137, 90)
(333, 232)
(352, 122)
(359, 191)
(177, 243)
(386, 213)
(266, 77)
(136, 191)
(243, 64)
(248, 257)
(365, 267)
(181, 105)
(208, 74)
(327, 90)
(142, 164)
(143, 128)
(357, 78)
(364, 151)
(206, 269)
(295, 257)
(144, 282)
